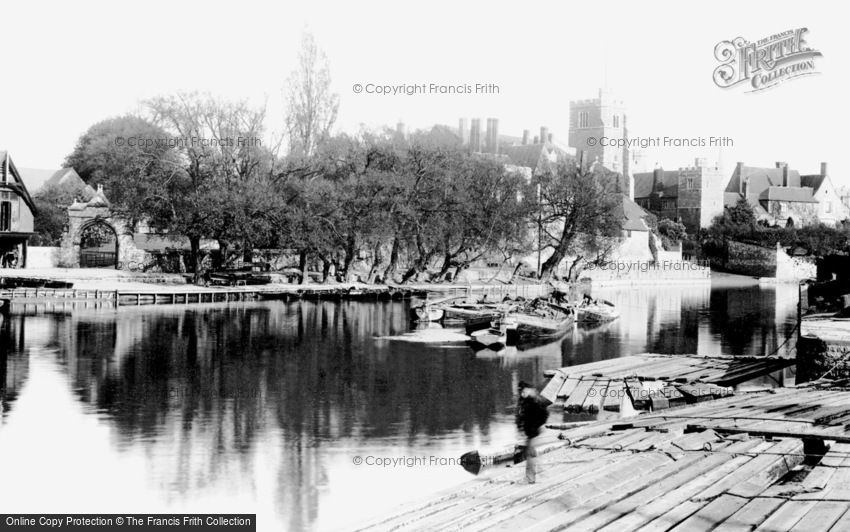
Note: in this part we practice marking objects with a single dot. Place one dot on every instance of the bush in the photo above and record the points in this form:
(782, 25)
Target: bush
(738, 223)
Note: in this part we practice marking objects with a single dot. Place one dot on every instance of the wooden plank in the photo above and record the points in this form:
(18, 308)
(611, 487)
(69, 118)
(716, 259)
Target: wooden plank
(712, 513)
(550, 391)
(666, 511)
(596, 396)
(614, 396)
(547, 510)
(579, 395)
(640, 400)
(786, 516)
(751, 515)
(666, 481)
(567, 388)
(822, 516)
(843, 523)
(753, 478)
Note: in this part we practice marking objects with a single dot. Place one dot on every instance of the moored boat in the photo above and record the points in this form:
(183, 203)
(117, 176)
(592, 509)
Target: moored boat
(543, 320)
(490, 337)
(597, 312)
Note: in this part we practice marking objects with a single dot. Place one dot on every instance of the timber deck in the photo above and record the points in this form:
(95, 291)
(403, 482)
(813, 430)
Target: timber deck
(769, 460)
(651, 381)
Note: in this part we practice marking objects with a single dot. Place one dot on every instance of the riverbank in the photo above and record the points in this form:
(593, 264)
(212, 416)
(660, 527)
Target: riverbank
(107, 282)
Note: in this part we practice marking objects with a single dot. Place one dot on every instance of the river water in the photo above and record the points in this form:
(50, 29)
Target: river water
(313, 415)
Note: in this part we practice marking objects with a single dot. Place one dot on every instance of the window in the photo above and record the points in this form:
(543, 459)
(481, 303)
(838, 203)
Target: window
(689, 184)
(616, 121)
(582, 119)
(5, 215)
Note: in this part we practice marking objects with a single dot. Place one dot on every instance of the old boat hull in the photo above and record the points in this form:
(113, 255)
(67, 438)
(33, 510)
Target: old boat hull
(530, 326)
(597, 313)
(490, 337)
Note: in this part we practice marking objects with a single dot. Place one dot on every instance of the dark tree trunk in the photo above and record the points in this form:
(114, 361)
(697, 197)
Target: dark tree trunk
(390, 271)
(302, 265)
(350, 250)
(447, 264)
(326, 270)
(195, 258)
(376, 261)
(516, 270)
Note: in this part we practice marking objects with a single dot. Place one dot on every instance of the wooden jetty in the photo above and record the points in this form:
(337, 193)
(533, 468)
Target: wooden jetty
(769, 460)
(178, 294)
(652, 381)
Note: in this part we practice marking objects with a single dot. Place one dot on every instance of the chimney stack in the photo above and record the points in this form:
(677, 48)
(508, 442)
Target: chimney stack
(780, 164)
(823, 169)
(492, 140)
(525, 135)
(739, 170)
(536, 140)
(657, 178)
(699, 162)
(785, 175)
(463, 131)
(475, 135)
(400, 130)
(544, 134)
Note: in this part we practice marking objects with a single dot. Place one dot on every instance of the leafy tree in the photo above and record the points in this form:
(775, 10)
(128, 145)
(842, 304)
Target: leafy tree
(671, 232)
(51, 217)
(578, 213)
(130, 157)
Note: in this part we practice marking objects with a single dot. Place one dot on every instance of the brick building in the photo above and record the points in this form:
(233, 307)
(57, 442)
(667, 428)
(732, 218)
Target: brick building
(782, 196)
(691, 195)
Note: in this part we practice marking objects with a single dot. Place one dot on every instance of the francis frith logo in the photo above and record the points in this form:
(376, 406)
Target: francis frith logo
(764, 63)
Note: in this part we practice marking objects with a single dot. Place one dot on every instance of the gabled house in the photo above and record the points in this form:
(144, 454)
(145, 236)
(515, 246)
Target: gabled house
(16, 215)
(831, 208)
(781, 196)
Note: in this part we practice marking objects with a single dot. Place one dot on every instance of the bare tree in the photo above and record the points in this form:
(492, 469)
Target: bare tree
(311, 106)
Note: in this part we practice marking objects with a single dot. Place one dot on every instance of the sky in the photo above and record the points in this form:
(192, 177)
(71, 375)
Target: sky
(69, 65)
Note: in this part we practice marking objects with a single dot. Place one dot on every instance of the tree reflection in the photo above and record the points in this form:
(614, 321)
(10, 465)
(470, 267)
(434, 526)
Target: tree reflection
(214, 383)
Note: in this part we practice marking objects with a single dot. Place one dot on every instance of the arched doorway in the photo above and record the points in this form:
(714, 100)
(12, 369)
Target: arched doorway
(98, 245)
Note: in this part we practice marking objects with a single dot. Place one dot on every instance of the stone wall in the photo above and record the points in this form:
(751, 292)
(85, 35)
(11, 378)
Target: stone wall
(746, 259)
(801, 213)
(757, 261)
(43, 256)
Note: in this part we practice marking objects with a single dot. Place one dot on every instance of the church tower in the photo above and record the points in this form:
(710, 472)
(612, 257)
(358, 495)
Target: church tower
(598, 129)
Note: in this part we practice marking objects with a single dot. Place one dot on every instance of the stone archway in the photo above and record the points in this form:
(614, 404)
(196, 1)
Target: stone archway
(98, 244)
(93, 216)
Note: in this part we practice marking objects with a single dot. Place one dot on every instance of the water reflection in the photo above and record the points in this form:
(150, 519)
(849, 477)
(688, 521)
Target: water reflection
(260, 407)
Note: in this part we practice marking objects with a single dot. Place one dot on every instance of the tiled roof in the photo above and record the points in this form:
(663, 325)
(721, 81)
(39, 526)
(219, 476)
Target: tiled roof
(530, 155)
(731, 198)
(38, 178)
(795, 194)
(760, 179)
(633, 215)
(812, 181)
(669, 186)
